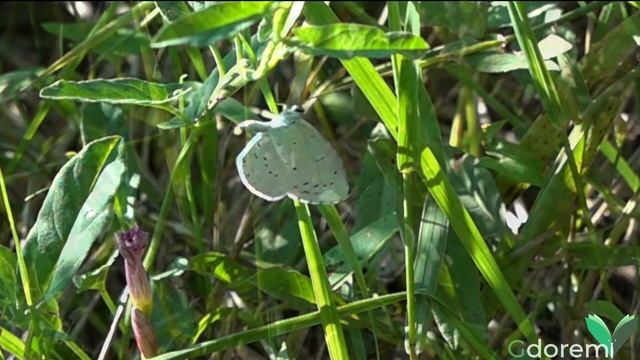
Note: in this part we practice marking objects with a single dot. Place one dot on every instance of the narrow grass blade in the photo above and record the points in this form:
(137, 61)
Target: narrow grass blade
(279, 327)
(468, 233)
(334, 335)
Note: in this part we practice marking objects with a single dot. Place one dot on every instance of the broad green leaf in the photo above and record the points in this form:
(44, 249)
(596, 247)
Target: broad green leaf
(464, 18)
(480, 196)
(173, 318)
(366, 243)
(286, 284)
(376, 197)
(220, 266)
(498, 15)
(348, 40)
(466, 285)
(216, 22)
(84, 187)
(114, 91)
(101, 119)
(604, 308)
(94, 279)
(199, 5)
(514, 162)
(93, 218)
(173, 10)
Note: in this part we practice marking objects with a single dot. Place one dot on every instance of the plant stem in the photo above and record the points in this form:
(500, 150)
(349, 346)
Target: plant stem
(22, 265)
(334, 335)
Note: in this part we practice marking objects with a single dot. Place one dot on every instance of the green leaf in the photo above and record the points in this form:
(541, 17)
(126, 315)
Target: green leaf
(94, 279)
(101, 119)
(604, 308)
(14, 82)
(84, 188)
(613, 53)
(114, 91)
(286, 284)
(8, 283)
(430, 251)
(468, 333)
(367, 242)
(220, 266)
(172, 10)
(376, 197)
(622, 166)
(216, 22)
(347, 40)
(11, 343)
(498, 15)
(465, 18)
(173, 318)
(93, 218)
(463, 225)
(598, 329)
(124, 41)
(514, 162)
(479, 194)
(623, 331)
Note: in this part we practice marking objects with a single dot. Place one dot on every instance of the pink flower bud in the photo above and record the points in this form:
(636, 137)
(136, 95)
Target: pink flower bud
(143, 332)
(132, 245)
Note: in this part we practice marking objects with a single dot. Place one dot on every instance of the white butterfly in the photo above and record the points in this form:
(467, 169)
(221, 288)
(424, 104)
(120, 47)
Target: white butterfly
(288, 157)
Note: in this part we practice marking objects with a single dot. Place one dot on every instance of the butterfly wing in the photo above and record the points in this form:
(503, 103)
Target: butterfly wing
(260, 168)
(316, 174)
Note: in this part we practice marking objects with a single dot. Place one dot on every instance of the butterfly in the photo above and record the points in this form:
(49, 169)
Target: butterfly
(287, 156)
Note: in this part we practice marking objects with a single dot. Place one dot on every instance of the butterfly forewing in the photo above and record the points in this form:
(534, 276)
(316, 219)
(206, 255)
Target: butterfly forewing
(260, 168)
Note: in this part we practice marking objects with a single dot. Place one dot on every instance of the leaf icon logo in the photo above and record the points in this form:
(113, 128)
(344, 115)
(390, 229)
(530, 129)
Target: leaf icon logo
(623, 331)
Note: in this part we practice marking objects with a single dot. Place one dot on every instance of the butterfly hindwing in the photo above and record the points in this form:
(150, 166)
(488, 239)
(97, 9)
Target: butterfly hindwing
(316, 171)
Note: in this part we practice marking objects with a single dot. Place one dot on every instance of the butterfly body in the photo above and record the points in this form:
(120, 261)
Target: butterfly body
(288, 157)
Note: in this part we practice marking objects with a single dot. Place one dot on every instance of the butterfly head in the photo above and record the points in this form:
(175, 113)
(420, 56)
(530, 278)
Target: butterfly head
(290, 115)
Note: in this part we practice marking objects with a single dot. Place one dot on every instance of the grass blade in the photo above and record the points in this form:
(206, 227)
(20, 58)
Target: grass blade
(468, 233)
(334, 335)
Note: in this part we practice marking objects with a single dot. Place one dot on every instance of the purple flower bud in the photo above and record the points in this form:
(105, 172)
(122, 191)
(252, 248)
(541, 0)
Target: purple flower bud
(143, 332)
(132, 245)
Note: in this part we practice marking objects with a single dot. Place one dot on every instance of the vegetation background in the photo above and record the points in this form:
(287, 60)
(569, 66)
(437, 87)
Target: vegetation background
(491, 148)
